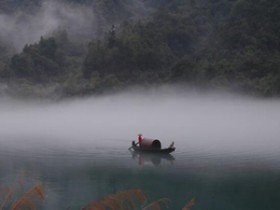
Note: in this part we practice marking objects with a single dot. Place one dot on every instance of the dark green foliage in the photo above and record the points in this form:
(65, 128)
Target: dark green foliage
(5, 71)
(47, 48)
(241, 51)
(231, 44)
(37, 61)
(143, 50)
(253, 23)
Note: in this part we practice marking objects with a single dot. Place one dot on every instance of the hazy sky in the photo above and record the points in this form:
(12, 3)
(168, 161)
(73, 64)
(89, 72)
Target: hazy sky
(206, 122)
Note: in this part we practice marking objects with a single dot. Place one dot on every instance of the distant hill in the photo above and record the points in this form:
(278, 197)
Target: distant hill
(100, 45)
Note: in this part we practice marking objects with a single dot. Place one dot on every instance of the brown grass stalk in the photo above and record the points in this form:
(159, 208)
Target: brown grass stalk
(7, 195)
(27, 199)
(190, 203)
(157, 205)
(123, 200)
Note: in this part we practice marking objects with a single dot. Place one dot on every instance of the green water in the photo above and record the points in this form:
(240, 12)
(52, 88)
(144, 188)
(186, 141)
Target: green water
(74, 177)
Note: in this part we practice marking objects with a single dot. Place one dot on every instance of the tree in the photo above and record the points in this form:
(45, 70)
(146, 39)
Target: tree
(37, 61)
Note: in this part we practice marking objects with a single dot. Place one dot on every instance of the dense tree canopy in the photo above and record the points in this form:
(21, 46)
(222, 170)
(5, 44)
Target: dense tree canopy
(231, 44)
(37, 61)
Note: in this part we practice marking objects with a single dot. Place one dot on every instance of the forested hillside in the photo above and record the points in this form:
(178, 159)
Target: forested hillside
(98, 45)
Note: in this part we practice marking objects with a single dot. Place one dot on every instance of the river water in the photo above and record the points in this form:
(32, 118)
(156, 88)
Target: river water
(227, 150)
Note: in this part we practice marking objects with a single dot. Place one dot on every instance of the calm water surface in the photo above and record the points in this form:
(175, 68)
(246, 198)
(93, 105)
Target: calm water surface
(74, 176)
(227, 156)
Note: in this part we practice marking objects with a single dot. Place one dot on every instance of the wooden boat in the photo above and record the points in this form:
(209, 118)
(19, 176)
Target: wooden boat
(155, 150)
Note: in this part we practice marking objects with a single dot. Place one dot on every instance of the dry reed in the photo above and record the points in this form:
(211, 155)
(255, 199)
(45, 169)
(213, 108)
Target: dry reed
(129, 200)
(189, 204)
(6, 195)
(123, 200)
(157, 205)
(27, 200)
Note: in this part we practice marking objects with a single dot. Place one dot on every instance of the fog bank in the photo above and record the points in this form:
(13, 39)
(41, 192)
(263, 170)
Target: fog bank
(209, 122)
(25, 27)
(82, 21)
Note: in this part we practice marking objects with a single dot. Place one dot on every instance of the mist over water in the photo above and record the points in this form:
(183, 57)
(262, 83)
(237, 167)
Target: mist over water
(226, 145)
(217, 123)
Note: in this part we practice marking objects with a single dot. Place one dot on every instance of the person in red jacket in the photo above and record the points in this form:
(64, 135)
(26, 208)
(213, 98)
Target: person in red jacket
(140, 139)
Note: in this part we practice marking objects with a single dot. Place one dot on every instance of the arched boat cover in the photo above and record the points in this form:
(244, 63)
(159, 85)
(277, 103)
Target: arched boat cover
(151, 143)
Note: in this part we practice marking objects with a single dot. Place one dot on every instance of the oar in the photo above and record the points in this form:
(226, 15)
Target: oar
(132, 146)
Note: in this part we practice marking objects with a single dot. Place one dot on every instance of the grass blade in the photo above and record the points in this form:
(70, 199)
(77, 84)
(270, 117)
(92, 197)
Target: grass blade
(157, 205)
(123, 200)
(27, 199)
(189, 204)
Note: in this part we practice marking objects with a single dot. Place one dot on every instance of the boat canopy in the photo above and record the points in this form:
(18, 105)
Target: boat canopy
(148, 143)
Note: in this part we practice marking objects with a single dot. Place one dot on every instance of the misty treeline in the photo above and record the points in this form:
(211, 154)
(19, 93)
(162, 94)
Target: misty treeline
(228, 44)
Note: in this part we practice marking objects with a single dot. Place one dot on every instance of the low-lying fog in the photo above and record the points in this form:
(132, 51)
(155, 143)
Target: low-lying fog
(205, 122)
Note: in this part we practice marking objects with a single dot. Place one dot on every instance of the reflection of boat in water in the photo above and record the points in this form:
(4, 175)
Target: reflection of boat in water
(152, 146)
(155, 159)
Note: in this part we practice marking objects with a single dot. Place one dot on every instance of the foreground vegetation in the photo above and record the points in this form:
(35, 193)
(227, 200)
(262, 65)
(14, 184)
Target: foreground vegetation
(15, 197)
(28, 200)
(228, 44)
(122, 200)
(131, 199)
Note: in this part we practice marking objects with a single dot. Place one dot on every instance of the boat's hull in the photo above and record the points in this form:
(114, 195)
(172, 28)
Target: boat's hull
(152, 150)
